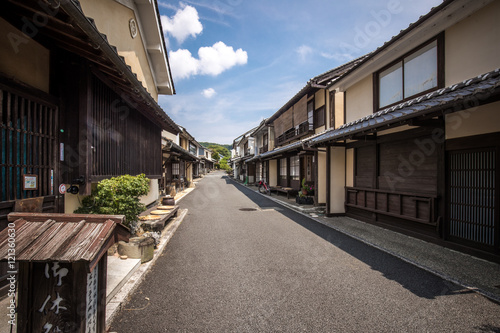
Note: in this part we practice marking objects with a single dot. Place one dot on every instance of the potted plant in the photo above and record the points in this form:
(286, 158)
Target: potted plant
(304, 188)
(303, 197)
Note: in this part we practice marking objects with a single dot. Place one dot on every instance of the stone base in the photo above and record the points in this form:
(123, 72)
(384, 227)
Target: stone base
(138, 248)
(153, 225)
(304, 200)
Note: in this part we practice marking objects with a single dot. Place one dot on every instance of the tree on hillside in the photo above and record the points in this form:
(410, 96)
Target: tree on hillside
(208, 144)
(217, 149)
(224, 165)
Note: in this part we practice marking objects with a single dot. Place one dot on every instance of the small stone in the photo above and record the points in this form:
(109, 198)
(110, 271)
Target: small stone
(123, 257)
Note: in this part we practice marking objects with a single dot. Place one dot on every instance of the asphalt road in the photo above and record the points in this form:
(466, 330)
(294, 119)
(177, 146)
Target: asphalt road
(269, 269)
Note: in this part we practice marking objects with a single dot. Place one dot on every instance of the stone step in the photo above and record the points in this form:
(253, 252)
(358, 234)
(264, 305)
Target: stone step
(119, 271)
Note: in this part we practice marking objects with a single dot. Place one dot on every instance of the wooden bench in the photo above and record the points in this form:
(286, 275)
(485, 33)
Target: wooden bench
(287, 190)
(159, 224)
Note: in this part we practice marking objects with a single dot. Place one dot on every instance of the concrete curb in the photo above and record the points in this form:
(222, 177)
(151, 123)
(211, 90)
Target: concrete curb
(115, 304)
(444, 276)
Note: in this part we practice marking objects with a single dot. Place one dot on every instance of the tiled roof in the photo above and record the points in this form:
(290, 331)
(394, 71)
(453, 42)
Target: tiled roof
(335, 74)
(472, 92)
(319, 81)
(81, 36)
(394, 39)
(172, 146)
(282, 149)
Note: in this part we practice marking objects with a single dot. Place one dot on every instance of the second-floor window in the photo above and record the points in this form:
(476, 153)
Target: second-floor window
(413, 74)
(310, 115)
(319, 117)
(192, 148)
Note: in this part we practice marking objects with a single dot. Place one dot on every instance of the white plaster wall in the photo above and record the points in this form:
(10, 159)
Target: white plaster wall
(349, 167)
(337, 179)
(359, 99)
(475, 121)
(472, 46)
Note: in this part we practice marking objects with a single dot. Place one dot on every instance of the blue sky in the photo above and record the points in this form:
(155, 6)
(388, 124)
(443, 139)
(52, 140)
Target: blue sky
(237, 62)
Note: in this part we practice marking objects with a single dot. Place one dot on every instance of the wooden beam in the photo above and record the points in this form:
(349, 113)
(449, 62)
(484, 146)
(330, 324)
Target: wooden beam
(426, 122)
(85, 133)
(364, 137)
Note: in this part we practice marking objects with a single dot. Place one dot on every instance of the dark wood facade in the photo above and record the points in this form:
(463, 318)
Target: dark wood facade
(472, 197)
(417, 182)
(123, 141)
(29, 122)
(396, 178)
(96, 119)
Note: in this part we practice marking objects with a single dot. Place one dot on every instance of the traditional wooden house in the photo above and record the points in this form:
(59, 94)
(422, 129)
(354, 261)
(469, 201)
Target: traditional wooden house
(261, 145)
(206, 163)
(282, 158)
(177, 167)
(418, 150)
(79, 83)
(243, 150)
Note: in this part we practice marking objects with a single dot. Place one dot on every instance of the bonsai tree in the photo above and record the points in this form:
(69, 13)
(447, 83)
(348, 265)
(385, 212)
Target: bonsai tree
(117, 196)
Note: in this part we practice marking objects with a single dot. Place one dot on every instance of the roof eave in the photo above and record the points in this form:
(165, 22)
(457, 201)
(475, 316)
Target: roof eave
(79, 19)
(372, 62)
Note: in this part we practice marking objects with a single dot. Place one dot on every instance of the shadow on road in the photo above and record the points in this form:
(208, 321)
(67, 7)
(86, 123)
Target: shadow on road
(412, 278)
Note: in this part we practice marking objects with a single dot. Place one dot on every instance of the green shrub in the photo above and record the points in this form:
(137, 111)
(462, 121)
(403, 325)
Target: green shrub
(117, 196)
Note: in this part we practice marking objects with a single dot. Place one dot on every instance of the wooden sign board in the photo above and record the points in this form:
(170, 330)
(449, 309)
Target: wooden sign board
(62, 297)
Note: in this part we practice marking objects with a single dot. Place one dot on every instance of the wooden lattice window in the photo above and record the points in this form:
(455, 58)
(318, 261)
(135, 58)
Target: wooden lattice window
(176, 170)
(28, 146)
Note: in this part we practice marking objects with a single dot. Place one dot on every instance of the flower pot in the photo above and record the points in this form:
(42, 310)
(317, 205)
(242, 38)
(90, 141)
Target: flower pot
(304, 200)
(168, 201)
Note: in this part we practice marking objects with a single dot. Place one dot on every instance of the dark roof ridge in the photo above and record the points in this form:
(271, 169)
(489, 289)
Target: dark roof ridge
(435, 101)
(401, 34)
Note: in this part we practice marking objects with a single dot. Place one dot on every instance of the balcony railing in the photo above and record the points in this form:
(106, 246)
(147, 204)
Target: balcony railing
(293, 133)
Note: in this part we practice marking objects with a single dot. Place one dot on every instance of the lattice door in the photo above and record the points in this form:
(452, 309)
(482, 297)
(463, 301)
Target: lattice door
(472, 208)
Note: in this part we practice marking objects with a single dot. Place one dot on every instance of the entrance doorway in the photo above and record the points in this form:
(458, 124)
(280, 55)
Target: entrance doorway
(473, 217)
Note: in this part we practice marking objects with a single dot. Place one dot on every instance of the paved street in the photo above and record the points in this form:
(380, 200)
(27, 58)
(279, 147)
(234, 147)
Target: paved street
(241, 263)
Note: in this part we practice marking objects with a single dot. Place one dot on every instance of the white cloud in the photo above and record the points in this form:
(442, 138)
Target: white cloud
(212, 60)
(183, 24)
(341, 57)
(209, 93)
(304, 51)
(220, 57)
(183, 64)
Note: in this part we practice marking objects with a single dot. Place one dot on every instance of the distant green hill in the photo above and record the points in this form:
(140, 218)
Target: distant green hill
(224, 150)
(207, 144)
